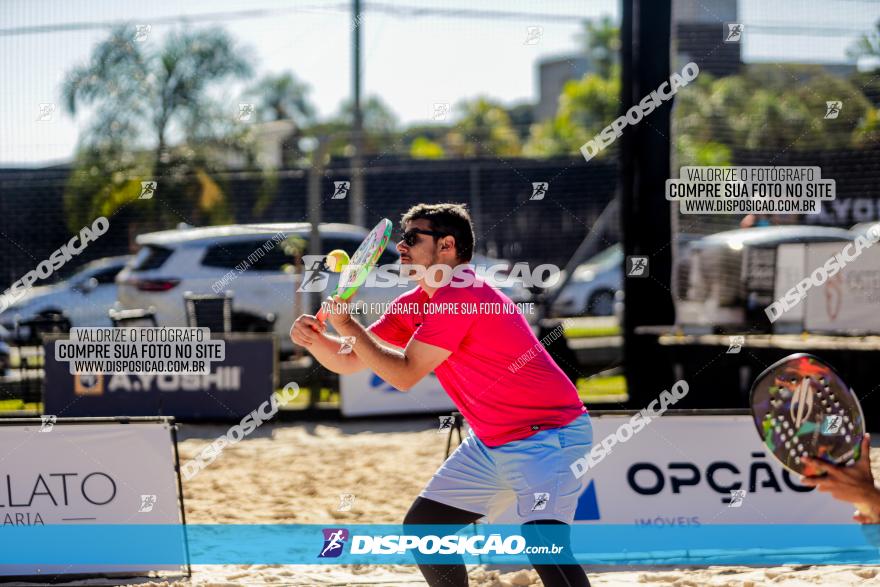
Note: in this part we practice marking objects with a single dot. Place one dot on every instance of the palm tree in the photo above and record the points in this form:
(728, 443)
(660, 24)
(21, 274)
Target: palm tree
(283, 97)
(140, 99)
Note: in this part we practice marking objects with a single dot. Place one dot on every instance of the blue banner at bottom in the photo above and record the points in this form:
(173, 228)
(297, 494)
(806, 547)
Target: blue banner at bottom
(395, 544)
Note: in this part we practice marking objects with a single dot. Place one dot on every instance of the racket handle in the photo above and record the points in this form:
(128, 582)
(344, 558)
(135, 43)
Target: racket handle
(323, 311)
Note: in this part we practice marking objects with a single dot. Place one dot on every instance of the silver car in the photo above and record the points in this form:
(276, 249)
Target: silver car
(213, 260)
(593, 285)
(84, 299)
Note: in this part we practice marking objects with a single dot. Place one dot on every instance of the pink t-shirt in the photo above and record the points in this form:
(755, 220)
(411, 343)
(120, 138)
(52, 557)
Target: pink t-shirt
(499, 375)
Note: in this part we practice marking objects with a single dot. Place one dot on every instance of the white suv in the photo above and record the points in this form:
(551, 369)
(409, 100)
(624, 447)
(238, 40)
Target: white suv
(214, 259)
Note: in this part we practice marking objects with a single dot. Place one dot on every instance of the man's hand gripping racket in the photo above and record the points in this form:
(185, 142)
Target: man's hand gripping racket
(354, 274)
(803, 410)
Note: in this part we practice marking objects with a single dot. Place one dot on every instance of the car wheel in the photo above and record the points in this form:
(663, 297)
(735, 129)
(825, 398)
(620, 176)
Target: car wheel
(601, 303)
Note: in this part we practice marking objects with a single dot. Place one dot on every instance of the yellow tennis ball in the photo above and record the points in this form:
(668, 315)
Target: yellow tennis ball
(336, 260)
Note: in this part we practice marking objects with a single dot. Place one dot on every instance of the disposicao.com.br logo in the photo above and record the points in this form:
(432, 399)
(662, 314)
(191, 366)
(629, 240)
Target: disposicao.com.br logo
(336, 538)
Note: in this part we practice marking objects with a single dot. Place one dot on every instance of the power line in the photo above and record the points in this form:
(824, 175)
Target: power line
(404, 11)
(203, 17)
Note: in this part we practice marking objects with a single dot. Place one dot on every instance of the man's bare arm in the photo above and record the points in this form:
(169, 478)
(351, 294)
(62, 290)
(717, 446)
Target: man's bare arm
(400, 368)
(324, 347)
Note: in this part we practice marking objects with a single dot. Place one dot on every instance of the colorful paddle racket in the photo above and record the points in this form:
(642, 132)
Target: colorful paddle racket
(802, 408)
(362, 262)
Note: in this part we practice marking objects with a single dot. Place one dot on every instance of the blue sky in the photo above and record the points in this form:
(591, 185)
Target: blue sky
(410, 60)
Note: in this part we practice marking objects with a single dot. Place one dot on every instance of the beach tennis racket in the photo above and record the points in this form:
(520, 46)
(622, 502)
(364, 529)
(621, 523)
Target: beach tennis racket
(360, 264)
(803, 408)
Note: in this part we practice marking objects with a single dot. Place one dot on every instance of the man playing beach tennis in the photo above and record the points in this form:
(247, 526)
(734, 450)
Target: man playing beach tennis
(527, 422)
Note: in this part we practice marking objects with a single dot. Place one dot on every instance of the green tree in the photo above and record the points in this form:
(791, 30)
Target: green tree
(586, 106)
(779, 107)
(601, 42)
(379, 124)
(869, 46)
(143, 101)
(484, 127)
(283, 97)
(522, 117)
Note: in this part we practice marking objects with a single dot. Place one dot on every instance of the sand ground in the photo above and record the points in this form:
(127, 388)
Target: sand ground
(294, 473)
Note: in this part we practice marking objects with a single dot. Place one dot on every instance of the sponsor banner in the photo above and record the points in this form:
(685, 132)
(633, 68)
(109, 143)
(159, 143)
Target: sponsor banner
(233, 388)
(849, 301)
(791, 268)
(366, 394)
(241, 544)
(846, 211)
(697, 471)
(68, 477)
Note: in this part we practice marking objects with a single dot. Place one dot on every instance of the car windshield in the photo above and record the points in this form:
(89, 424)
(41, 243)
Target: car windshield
(611, 255)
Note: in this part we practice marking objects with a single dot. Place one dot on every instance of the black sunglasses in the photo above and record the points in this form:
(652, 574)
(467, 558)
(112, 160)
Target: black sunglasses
(410, 239)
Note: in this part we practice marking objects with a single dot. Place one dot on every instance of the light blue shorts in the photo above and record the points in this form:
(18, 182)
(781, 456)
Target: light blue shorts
(521, 481)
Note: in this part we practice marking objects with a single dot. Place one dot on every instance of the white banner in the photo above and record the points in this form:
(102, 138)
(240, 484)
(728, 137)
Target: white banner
(850, 300)
(681, 470)
(790, 269)
(365, 394)
(102, 473)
